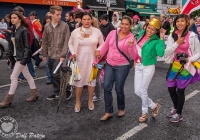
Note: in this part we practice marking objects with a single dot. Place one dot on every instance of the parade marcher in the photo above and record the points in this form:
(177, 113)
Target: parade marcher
(118, 43)
(152, 16)
(106, 27)
(137, 27)
(29, 64)
(11, 60)
(198, 24)
(37, 28)
(47, 19)
(149, 46)
(95, 22)
(182, 51)
(82, 44)
(165, 24)
(55, 45)
(3, 26)
(115, 20)
(22, 53)
(171, 25)
(77, 16)
(70, 21)
(193, 28)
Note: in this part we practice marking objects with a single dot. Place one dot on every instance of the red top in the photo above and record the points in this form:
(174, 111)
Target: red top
(28, 21)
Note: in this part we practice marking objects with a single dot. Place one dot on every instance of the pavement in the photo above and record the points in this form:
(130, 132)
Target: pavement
(39, 119)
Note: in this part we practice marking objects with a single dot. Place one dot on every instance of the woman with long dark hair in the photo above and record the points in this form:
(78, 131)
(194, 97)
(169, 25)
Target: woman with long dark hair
(150, 44)
(183, 52)
(22, 53)
(117, 66)
(82, 45)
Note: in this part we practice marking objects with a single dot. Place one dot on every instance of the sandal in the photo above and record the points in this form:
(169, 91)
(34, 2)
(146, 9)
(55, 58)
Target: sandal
(156, 110)
(143, 118)
(106, 117)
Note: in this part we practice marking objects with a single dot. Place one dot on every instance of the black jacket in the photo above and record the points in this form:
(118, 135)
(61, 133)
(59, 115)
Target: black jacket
(106, 29)
(166, 26)
(23, 50)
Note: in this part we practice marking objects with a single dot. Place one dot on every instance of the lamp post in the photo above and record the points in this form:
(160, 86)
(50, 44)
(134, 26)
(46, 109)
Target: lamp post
(107, 5)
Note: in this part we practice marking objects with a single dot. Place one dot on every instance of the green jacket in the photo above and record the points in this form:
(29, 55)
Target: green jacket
(151, 49)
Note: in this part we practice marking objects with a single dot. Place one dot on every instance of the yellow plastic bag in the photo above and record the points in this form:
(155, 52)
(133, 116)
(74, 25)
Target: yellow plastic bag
(93, 74)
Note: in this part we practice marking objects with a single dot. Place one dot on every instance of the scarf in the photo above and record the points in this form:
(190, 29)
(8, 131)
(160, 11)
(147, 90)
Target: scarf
(85, 31)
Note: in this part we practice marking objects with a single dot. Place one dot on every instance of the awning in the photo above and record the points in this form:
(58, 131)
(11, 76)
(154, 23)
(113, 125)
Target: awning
(144, 12)
(102, 8)
(99, 8)
(117, 9)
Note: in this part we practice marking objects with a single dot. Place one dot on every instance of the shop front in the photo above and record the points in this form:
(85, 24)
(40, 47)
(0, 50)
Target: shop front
(40, 6)
(100, 7)
(144, 10)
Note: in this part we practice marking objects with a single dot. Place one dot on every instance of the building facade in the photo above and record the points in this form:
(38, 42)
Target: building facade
(164, 5)
(100, 6)
(40, 6)
(142, 8)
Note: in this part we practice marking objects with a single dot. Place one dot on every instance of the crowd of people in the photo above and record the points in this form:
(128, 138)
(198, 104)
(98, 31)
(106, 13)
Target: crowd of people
(117, 46)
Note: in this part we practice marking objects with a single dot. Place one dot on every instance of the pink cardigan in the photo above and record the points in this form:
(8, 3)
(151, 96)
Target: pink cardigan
(114, 57)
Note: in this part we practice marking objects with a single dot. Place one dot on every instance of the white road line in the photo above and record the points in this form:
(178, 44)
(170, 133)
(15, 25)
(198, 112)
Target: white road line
(24, 82)
(141, 126)
(132, 132)
(191, 95)
(3, 60)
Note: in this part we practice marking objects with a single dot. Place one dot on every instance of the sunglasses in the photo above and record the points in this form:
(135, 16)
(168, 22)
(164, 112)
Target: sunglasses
(114, 15)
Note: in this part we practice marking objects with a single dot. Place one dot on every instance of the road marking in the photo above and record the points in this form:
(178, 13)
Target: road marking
(191, 95)
(3, 60)
(132, 132)
(23, 82)
(141, 126)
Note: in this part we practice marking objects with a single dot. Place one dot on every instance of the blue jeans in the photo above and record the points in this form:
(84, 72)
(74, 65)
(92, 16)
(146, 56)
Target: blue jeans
(30, 68)
(117, 74)
(48, 70)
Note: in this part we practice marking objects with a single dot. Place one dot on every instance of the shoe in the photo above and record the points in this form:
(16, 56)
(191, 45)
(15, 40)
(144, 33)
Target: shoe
(176, 118)
(36, 67)
(156, 110)
(77, 109)
(33, 95)
(69, 91)
(121, 113)
(171, 113)
(7, 100)
(34, 77)
(95, 99)
(143, 118)
(48, 83)
(91, 108)
(21, 80)
(53, 97)
(106, 117)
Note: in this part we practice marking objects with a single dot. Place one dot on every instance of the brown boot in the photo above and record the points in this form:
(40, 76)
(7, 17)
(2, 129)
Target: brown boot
(33, 95)
(7, 100)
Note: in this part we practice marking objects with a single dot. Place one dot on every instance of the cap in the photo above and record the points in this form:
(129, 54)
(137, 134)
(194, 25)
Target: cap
(155, 23)
(104, 16)
(33, 13)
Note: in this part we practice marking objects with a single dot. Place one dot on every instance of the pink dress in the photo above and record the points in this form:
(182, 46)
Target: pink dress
(85, 58)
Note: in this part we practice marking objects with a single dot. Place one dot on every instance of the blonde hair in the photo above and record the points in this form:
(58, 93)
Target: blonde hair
(55, 8)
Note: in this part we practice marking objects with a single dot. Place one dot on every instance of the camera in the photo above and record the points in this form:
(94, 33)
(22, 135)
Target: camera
(182, 58)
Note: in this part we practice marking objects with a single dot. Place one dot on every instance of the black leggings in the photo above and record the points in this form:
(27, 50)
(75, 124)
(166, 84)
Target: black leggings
(178, 98)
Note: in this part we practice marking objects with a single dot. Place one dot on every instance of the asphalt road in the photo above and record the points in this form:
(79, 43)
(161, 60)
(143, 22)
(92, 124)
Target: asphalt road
(40, 117)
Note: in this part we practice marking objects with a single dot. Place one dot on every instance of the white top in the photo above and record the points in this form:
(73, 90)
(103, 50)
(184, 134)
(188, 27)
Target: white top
(3, 26)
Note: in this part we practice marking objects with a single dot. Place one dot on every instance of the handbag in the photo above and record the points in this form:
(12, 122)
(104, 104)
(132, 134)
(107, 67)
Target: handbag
(75, 76)
(129, 60)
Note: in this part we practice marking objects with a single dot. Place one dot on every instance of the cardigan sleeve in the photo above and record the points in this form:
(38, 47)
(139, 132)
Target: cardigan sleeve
(70, 43)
